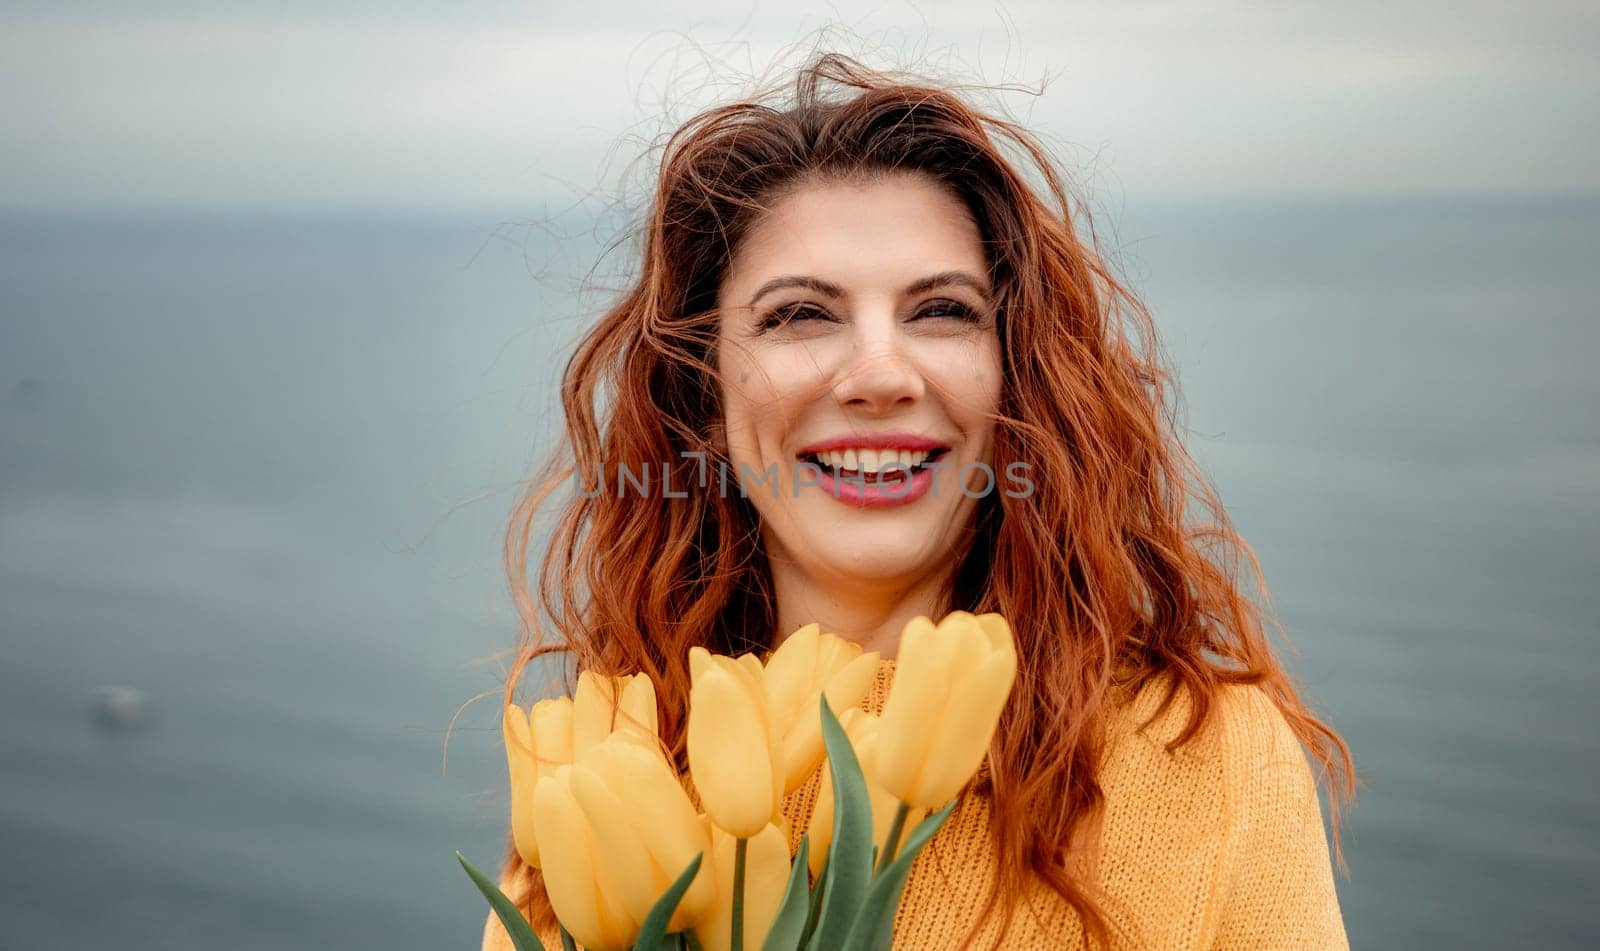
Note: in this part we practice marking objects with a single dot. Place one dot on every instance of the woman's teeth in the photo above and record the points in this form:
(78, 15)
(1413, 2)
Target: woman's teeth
(873, 461)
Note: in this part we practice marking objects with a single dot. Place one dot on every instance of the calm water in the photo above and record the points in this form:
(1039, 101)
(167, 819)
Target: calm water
(257, 468)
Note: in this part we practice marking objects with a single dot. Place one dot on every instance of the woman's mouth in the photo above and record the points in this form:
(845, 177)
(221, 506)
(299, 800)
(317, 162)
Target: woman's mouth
(875, 478)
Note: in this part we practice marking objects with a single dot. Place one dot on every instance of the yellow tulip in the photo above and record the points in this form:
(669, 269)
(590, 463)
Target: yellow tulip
(805, 665)
(862, 729)
(534, 750)
(950, 686)
(766, 875)
(602, 705)
(735, 750)
(582, 890)
(551, 732)
(645, 827)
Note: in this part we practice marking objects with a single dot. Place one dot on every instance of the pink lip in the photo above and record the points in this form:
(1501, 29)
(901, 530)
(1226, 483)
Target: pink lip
(868, 494)
(910, 441)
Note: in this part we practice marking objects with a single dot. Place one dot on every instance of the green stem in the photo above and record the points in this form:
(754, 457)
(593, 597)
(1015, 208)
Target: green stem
(566, 939)
(737, 942)
(893, 844)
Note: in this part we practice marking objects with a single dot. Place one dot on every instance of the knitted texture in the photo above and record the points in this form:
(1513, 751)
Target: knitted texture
(1217, 845)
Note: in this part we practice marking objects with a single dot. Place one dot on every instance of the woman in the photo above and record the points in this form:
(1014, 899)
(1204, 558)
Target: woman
(858, 277)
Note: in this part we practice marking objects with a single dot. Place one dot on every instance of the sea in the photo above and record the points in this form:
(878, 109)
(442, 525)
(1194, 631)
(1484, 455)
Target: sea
(256, 468)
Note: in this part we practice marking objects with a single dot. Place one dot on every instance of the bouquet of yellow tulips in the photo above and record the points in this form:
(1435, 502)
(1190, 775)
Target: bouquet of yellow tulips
(628, 860)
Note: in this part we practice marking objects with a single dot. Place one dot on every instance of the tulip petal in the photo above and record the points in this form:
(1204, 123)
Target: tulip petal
(638, 880)
(663, 820)
(729, 743)
(520, 755)
(699, 662)
(550, 722)
(594, 704)
(637, 707)
(794, 689)
(916, 700)
(968, 642)
(766, 879)
(965, 731)
(514, 727)
(753, 677)
(802, 752)
(790, 670)
(847, 685)
(999, 632)
(833, 652)
(750, 666)
(574, 878)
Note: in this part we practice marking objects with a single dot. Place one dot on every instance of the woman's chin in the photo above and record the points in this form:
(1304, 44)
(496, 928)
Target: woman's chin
(888, 556)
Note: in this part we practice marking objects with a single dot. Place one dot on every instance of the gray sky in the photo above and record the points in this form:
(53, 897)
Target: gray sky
(496, 103)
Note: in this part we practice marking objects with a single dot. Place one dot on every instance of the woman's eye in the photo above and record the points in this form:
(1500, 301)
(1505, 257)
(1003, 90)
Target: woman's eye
(947, 308)
(793, 312)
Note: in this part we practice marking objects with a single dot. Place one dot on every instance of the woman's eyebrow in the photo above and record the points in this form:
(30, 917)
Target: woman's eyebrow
(797, 280)
(942, 279)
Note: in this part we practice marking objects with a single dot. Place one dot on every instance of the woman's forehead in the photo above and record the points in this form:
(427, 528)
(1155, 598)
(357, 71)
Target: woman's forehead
(889, 231)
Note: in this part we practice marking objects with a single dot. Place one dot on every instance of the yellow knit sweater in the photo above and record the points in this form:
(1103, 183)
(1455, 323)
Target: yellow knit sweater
(1219, 845)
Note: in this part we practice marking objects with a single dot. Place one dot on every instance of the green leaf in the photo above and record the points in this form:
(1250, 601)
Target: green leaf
(522, 936)
(790, 924)
(653, 930)
(849, 871)
(815, 911)
(873, 929)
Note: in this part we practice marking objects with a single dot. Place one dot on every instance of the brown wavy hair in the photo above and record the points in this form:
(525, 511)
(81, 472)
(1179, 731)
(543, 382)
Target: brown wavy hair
(1120, 566)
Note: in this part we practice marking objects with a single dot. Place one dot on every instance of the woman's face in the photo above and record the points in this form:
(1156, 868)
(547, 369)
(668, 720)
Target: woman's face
(857, 331)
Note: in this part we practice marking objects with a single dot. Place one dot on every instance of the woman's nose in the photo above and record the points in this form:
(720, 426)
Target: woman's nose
(878, 374)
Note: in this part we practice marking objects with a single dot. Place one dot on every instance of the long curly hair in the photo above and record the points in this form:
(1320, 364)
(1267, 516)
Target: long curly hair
(1120, 566)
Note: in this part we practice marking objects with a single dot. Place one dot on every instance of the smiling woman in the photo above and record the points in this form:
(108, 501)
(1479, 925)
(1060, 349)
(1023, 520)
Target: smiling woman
(851, 297)
(875, 351)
